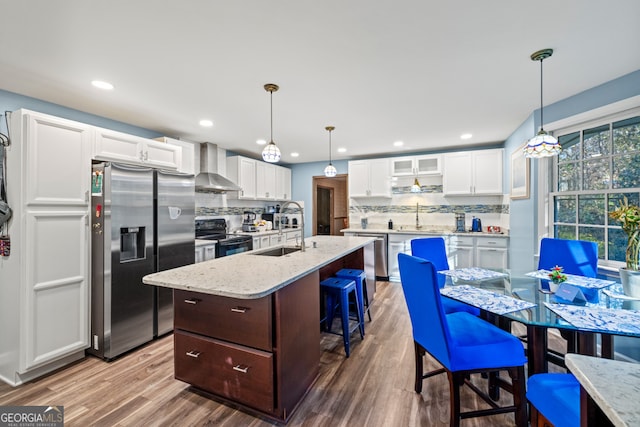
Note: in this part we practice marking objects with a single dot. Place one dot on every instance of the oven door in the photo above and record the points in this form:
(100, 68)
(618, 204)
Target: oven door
(235, 246)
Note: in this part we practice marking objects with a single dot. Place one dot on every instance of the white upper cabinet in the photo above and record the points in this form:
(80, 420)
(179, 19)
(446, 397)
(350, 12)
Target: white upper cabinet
(283, 183)
(121, 147)
(370, 178)
(259, 180)
(187, 164)
(473, 173)
(416, 165)
(265, 181)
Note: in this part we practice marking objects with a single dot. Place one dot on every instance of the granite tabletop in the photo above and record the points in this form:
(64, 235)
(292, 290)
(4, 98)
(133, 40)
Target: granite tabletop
(614, 386)
(248, 275)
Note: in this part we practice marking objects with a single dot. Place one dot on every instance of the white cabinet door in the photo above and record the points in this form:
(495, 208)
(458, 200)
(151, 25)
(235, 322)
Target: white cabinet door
(265, 241)
(242, 171)
(256, 243)
(493, 258)
(55, 249)
(487, 169)
(457, 178)
(121, 147)
(359, 178)
(199, 254)
(402, 166)
(276, 239)
(209, 252)
(473, 173)
(370, 178)
(187, 158)
(265, 181)
(461, 257)
(283, 183)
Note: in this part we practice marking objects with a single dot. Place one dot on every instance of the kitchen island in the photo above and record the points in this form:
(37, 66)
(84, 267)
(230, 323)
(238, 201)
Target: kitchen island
(247, 326)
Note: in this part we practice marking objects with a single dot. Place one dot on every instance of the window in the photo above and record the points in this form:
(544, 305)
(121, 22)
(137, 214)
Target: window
(598, 166)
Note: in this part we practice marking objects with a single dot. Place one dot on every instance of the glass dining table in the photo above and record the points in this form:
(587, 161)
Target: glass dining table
(504, 297)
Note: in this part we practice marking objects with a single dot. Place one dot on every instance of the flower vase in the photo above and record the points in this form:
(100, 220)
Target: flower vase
(630, 280)
(554, 284)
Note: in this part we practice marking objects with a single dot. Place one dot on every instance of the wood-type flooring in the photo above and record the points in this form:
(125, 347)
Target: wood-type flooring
(373, 387)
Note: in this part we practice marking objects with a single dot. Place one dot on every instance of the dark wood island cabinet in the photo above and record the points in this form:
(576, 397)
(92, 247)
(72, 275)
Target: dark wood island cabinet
(258, 351)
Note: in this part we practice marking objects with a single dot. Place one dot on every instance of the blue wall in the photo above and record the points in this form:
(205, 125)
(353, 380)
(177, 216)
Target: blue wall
(10, 101)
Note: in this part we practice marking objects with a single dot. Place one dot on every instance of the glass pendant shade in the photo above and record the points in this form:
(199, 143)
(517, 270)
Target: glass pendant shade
(416, 188)
(330, 171)
(542, 145)
(271, 153)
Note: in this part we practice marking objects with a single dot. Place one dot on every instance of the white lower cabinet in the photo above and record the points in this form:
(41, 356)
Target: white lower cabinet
(205, 252)
(44, 292)
(461, 252)
(491, 252)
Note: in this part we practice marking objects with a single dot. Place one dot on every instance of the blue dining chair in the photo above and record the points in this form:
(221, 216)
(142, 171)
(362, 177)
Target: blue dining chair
(461, 342)
(579, 257)
(556, 397)
(433, 249)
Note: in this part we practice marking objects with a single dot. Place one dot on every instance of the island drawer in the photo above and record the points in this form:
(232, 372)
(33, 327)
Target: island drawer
(242, 321)
(235, 372)
(491, 242)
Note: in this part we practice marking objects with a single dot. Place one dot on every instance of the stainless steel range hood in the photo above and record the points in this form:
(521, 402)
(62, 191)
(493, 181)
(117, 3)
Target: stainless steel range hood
(209, 180)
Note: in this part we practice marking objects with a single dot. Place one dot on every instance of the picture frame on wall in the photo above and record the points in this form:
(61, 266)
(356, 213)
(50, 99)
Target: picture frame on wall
(519, 174)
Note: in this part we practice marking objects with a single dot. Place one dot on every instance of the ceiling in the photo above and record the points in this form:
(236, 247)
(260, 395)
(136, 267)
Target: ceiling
(418, 71)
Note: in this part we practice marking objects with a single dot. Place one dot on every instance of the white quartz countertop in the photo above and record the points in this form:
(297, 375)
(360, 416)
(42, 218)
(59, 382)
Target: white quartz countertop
(614, 386)
(425, 230)
(250, 276)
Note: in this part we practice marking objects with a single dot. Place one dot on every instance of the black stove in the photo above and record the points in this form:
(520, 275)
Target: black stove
(228, 244)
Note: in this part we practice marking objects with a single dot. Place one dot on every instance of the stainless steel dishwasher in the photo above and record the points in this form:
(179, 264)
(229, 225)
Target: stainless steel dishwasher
(380, 246)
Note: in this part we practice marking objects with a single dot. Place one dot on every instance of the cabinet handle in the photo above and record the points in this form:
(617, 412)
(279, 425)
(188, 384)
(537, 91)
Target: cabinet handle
(239, 309)
(241, 368)
(141, 156)
(193, 301)
(146, 155)
(193, 354)
(491, 243)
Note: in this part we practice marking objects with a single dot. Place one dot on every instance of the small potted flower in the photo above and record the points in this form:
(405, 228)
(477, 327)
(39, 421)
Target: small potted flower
(629, 217)
(557, 277)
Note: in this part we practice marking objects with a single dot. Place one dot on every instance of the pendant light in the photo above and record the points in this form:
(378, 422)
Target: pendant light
(330, 171)
(271, 152)
(543, 144)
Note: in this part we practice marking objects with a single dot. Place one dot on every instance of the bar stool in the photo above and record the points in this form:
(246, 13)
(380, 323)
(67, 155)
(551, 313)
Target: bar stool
(360, 278)
(337, 291)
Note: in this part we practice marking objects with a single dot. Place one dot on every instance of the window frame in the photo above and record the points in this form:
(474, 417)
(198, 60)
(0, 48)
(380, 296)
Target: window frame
(551, 193)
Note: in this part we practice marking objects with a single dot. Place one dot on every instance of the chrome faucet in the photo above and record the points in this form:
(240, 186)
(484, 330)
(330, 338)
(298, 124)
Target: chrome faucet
(284, 205)
(418, 226)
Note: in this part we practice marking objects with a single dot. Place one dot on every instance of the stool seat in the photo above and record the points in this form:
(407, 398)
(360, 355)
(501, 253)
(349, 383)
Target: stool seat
(556, 397)
(337, 291)
(360, 277)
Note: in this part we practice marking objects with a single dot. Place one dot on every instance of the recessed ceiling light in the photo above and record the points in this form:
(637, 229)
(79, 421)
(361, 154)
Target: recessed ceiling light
(206, 123)
(466, 136)
(261, 142)
(102, 85)
(398, 144)
(342, 150)
(295, 154)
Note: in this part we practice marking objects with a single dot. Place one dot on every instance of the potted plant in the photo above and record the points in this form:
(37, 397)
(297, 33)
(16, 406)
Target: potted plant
(629, 217)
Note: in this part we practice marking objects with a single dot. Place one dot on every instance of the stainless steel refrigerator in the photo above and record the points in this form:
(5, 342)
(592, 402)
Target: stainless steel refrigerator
(142, 220)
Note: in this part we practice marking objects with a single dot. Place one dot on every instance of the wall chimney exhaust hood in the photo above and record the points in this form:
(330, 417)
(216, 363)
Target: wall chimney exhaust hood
(209, 180)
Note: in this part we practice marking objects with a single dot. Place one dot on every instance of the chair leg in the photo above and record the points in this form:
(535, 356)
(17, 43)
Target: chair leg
(365, 295)
(419, 354)
(518, 381)
(494, 386)
(344, 310)
(454, 398)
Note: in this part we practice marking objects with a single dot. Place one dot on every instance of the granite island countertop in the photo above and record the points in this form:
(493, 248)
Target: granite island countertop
(612, 384)
(248, 275)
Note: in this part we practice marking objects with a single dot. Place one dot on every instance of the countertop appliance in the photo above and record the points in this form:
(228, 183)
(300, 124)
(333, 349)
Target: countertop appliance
(460, 222)
(226, 244)
(130, 239)
(248, 221)
(476, 224)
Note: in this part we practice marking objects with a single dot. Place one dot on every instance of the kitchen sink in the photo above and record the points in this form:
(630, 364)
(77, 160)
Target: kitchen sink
(283, 250)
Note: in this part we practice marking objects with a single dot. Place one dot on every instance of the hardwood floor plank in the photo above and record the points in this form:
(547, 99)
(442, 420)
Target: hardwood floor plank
(373, 387)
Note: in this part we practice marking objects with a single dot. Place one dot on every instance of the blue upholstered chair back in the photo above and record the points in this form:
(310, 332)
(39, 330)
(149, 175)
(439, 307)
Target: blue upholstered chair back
(577, 257)
(433, 249)
(422, 294)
